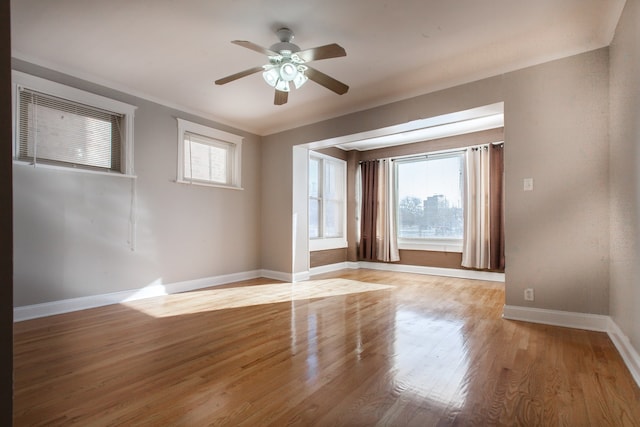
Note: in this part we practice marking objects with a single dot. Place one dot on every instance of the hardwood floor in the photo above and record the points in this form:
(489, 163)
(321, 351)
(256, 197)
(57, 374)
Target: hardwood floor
(354, 348)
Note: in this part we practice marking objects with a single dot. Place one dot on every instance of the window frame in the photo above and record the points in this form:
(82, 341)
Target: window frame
(71, 94)
(325, 243)
(223, 139)
(439, 244)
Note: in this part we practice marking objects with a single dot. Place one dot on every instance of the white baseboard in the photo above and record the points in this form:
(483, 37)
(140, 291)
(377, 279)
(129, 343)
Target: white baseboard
(277, 275)
(590, 322)
(329, 268)
(625, 348)
(405, 268)
(190, 285)
(286, 277)
(300, 277)
(152, 290)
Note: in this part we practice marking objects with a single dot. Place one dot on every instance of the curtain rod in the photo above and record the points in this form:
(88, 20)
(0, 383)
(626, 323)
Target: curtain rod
(438, 153)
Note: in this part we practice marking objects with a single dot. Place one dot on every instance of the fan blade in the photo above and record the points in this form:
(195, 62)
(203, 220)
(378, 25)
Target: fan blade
(255, 47)
(236, 76)
(322, 52)
(326, 81)
(280, 98)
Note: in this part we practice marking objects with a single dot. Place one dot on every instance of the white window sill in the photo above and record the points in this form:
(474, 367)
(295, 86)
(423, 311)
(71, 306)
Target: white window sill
(437, 245)
(72, 169)
(326, 244)
(208, 184)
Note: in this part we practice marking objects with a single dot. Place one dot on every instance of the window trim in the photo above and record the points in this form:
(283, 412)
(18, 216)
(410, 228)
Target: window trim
(438, 244)
(218, 135)
(38, 84)
(326, 243)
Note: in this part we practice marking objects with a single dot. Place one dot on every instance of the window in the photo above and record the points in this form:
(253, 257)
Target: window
(430, 202)
(327, 206)
(208, 156)
(62, 126)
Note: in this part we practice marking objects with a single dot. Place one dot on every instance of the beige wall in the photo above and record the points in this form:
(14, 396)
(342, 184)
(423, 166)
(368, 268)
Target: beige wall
(556, 123)
(556, 131)
(277, 206)
(625, 173)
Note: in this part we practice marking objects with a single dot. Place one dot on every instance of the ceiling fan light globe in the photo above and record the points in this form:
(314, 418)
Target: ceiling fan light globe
(288, 71)
(271, 76)
(299, 80)
(282, 86)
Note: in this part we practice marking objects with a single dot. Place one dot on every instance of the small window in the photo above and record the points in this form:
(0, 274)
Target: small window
(208, 156)
(63, 126)
(327, 202)
(430, 202)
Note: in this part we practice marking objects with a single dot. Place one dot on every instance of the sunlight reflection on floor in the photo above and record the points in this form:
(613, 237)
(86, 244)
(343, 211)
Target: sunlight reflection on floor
(436, 355)
(245, 296)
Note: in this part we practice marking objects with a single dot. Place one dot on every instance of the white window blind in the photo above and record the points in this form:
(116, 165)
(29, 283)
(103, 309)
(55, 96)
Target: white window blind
(58, 131)
(207, 159)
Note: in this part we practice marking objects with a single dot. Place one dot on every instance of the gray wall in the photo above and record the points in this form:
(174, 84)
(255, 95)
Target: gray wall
(625, 173)
(72, 229)
(556, 124)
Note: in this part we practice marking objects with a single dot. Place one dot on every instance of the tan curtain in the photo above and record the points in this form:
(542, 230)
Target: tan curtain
(386, 234)
(483, 243)
(369, 210)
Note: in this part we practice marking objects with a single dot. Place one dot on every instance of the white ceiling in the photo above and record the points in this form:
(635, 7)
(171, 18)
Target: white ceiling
(171, 51)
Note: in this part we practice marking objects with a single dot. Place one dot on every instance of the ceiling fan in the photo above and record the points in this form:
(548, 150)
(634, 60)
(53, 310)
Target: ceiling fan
(288, 64)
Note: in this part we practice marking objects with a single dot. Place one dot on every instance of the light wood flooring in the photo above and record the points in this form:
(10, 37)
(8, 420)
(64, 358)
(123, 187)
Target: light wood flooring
(354, 348)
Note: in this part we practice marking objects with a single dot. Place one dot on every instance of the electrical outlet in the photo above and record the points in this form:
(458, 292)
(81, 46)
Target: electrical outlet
(528, 294)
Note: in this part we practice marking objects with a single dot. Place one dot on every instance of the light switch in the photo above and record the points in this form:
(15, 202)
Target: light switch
(528, 184)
